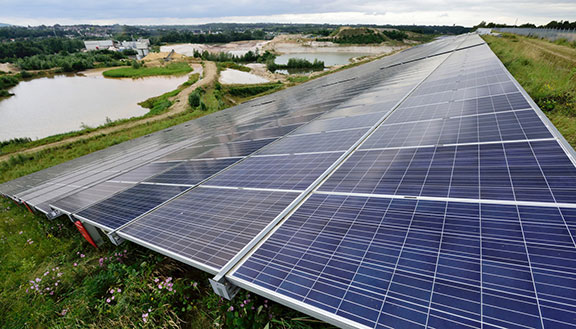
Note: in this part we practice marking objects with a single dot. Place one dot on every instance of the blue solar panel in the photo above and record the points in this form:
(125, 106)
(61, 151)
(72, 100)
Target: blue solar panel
(209, 225)
(146, 171)
(357, 121)
(237, 149)
(484, 105)
(192, 172)
(523, 171)
(295, 172)
(320, 142)
(405, 263)
(518, 125)
(121, 208)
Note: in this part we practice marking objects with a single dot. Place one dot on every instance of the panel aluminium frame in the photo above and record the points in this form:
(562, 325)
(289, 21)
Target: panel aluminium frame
(220, 278)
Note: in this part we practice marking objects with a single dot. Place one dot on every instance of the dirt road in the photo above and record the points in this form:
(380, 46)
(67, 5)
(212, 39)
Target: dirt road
(180, 105)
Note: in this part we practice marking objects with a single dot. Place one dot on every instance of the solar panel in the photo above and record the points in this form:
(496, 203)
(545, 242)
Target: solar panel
(379, 262)
(192, 172)
(290, 172)
(208, 226)
(123, 207)
(331, 141)
(506, 126)
(88, 196)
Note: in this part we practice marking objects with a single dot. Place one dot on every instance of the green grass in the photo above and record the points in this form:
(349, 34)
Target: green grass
(231, 65)
(548, 73)
(75, 282)
(130, 72)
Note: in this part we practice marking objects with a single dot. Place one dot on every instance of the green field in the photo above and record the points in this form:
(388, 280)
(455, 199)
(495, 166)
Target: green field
(141, 72)
(548, 73)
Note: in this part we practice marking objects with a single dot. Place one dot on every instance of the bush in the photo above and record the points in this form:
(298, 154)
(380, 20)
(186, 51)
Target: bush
(195, 98)
(251, 90)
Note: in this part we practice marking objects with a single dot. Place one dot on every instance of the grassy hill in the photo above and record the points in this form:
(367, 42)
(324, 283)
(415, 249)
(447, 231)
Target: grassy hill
(365, 35)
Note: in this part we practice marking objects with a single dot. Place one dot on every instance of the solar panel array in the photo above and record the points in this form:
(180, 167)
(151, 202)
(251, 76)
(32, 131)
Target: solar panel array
(424, 189)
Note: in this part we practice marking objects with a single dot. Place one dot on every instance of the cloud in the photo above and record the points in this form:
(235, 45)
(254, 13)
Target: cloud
(464, 12)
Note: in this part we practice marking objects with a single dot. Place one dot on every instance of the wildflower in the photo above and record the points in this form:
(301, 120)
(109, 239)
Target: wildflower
(156, 280)
(20, 232)
(82, 255)
(64, 312)
(101, 261)
(195, 284)
(108, 300)
(231, 309)
(169, 289)
(169, 279)
(149, 310)
(111, 291)
(159, 286)
(75, 264)
(118, 290)
(51, 293)
(112, 298)
(38, 279)
(241, 305)
(46, 273)
(253, 308)
(144, 317)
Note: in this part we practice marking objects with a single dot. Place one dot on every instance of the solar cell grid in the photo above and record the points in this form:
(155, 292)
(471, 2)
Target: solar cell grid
(293, 172)
(483, 105)
(523, 171)
(88, 196)
(397, 263)
(123, 207)
(357, 121)
(208, 225)
(507, 126)
(192, 172)
(320, 142)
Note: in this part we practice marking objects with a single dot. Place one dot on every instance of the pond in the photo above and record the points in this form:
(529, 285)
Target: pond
(231, 76)
(54, 105)
(329, 58)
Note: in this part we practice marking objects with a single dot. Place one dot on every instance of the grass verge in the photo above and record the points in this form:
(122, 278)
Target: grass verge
(53, 279)
(548, 73)
(131, 72)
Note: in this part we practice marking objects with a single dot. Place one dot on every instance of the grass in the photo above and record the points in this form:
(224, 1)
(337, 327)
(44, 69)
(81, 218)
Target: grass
(131, 72)
(548, 73)
(231, 65)
(51, 278)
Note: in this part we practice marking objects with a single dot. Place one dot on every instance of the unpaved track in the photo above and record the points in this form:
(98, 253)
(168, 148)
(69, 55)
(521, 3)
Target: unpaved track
(210, 75)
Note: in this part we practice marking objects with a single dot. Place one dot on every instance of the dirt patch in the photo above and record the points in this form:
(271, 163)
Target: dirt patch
(9, 68)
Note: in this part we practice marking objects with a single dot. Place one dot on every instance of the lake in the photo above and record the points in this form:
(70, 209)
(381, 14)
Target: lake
(329, 58)
(54, 105)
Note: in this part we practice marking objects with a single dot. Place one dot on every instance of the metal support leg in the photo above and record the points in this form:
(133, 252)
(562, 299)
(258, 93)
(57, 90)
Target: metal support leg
(224, 288)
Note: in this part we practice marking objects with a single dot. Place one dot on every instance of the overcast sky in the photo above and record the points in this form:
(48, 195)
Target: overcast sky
(427, 12)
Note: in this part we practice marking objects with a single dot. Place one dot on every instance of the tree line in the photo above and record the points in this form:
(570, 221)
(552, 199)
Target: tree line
(551, 25)
(11, 50)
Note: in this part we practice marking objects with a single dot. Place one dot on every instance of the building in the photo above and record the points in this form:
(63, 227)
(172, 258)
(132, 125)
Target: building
(142, 46)
(98, 44)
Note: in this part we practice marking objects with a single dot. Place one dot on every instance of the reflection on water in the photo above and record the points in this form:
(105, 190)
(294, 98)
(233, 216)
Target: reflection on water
(329, 59)
(48, 106)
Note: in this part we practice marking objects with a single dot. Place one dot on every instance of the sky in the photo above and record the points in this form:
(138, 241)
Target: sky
(396, 12)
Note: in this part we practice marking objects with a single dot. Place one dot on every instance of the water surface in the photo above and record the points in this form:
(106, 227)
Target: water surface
(48, 106)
